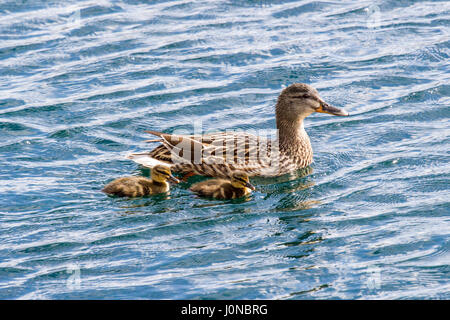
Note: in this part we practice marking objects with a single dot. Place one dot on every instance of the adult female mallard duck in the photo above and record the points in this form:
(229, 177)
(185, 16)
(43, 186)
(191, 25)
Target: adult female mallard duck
(140, 186)
(220, 154)
(237, 187)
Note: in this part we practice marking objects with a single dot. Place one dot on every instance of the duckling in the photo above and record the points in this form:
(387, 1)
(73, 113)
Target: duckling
(239, 186)
(141, 186)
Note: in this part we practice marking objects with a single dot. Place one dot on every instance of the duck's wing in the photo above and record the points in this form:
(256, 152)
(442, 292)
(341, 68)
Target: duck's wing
(171, 151)
(216, 154)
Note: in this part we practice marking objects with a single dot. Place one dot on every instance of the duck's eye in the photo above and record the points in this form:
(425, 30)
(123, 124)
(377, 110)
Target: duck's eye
(303, 96)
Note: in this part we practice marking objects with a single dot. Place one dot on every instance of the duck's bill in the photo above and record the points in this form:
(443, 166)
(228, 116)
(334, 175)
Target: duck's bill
(173, 179)
(249, 185)
(326, 108)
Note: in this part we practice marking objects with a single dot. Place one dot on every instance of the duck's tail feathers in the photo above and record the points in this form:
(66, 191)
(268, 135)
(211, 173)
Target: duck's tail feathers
(145, 160)
(154, 140)
(155, 133)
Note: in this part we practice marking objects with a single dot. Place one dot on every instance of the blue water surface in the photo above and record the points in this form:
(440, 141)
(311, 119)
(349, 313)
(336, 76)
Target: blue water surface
(80, 81)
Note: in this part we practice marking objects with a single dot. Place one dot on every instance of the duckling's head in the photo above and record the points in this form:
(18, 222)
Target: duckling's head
(161, 173)
(299, 100)
(240, 180)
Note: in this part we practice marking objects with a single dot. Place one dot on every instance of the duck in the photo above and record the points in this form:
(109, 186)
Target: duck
(132, 186)
(239, 186)
(220, 154)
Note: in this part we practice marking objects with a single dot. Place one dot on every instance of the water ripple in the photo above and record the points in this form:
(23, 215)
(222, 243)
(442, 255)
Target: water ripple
(80, 83)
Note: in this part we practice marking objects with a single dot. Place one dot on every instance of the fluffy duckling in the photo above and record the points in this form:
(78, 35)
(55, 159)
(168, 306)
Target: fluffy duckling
(141, 186)
(239, 186)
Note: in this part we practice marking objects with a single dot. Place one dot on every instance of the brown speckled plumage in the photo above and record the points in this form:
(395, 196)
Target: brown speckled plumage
(135, 187)
(140, 186)
(238, 187)
(220, 154)
(218, 189)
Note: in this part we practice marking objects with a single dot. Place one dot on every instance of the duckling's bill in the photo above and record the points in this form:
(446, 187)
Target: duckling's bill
(173, 179)
(249, 185)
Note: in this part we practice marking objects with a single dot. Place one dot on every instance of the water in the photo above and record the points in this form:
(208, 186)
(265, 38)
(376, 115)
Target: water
(80, 81)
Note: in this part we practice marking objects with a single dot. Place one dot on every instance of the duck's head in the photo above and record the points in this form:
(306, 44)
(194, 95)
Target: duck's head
(240, 180)
(299, 100)
(161, 173)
